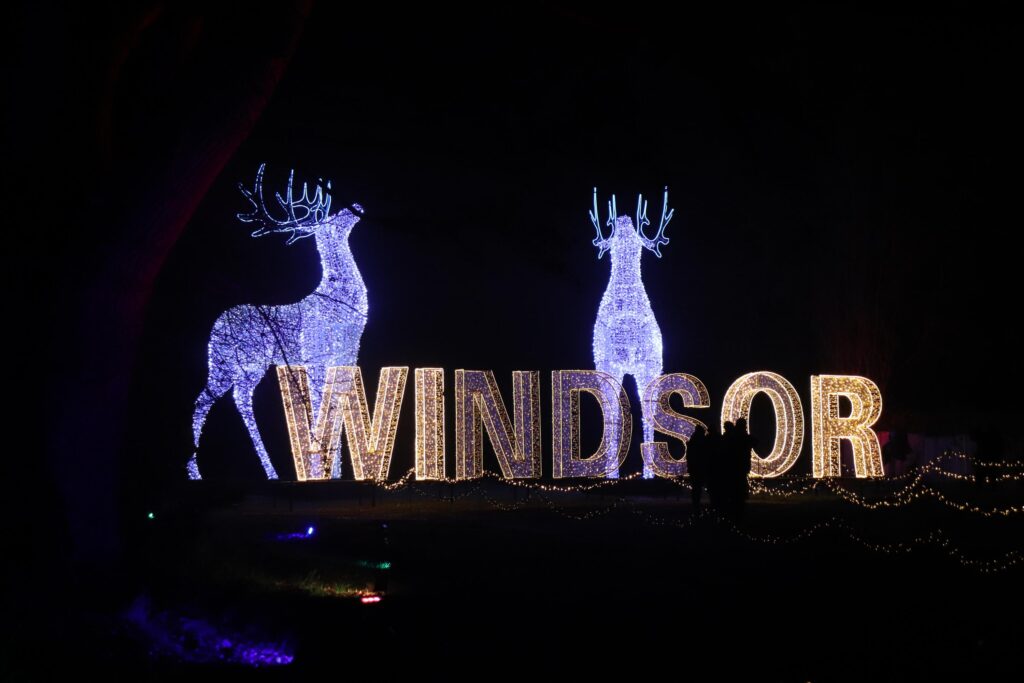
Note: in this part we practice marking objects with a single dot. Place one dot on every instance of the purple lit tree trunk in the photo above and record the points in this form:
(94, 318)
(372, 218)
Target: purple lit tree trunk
(228, 88)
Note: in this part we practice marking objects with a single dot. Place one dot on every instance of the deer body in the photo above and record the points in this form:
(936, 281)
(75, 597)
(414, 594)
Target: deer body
(320, 331)
(627, 339)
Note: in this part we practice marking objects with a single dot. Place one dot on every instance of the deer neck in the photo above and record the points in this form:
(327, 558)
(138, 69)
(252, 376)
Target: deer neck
(625, 266)
(337, 264)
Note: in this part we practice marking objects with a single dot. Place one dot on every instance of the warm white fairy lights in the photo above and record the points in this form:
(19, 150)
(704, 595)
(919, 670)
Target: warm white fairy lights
(429, 423)
(789, 419)
(516, 443)
(790, 486)
(478, 404)
(915, 490)
(627, 339)
(610, 500)
(828, 428)
(666, 420)
(585, 509)
(566, 387)
(913, 487)
(314, 450)
(343, 407)
(320, 331)
(371, 441)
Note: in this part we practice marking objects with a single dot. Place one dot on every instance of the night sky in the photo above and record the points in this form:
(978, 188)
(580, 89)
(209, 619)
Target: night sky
(844, 188)
(846, 193)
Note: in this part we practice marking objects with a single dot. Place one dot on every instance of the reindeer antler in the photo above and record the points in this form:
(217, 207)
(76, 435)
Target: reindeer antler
(601, 242)
(303, 215)
(641, 220)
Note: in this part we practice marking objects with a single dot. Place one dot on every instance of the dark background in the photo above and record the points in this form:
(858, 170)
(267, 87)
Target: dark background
(845, 189)
(831, 182)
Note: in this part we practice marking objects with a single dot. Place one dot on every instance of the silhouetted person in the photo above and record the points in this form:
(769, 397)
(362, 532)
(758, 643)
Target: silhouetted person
(743, 443)
(718, 480)
(895, 450)
(698, 463)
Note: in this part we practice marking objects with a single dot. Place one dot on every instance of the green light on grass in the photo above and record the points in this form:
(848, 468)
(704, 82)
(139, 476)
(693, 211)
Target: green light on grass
(369, 564)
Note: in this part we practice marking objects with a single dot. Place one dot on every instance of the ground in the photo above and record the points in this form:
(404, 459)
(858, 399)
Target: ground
(485, 578)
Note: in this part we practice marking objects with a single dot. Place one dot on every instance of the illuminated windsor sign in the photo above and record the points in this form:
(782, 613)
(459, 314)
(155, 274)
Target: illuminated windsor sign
(316, 445)
(314, 344)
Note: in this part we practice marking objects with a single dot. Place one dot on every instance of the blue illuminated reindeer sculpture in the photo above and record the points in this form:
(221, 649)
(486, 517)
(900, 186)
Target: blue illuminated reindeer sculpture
(627, 339)
(320, 331)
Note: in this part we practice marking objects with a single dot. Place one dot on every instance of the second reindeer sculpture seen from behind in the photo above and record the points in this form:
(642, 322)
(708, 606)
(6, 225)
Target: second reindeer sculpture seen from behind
(320, 331)
(627, 340)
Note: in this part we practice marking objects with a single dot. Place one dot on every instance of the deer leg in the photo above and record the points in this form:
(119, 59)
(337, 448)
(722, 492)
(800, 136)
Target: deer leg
(243, 400)
(207, 397)
(607, 368)
(642, 380)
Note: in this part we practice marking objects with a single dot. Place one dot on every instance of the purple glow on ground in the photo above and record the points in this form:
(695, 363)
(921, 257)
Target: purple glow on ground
(194, 639)
(309, 532)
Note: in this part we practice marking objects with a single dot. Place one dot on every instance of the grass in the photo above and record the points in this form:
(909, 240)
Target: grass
(596, 581)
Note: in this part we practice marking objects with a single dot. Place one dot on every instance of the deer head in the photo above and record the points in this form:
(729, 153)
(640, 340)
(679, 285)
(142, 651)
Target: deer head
(623, 222)
(303, 215)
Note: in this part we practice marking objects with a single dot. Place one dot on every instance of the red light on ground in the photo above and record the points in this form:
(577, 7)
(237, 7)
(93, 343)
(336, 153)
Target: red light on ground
(369, 599)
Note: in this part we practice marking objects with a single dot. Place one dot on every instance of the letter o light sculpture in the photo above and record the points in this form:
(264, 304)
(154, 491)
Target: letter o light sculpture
(789, 419)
